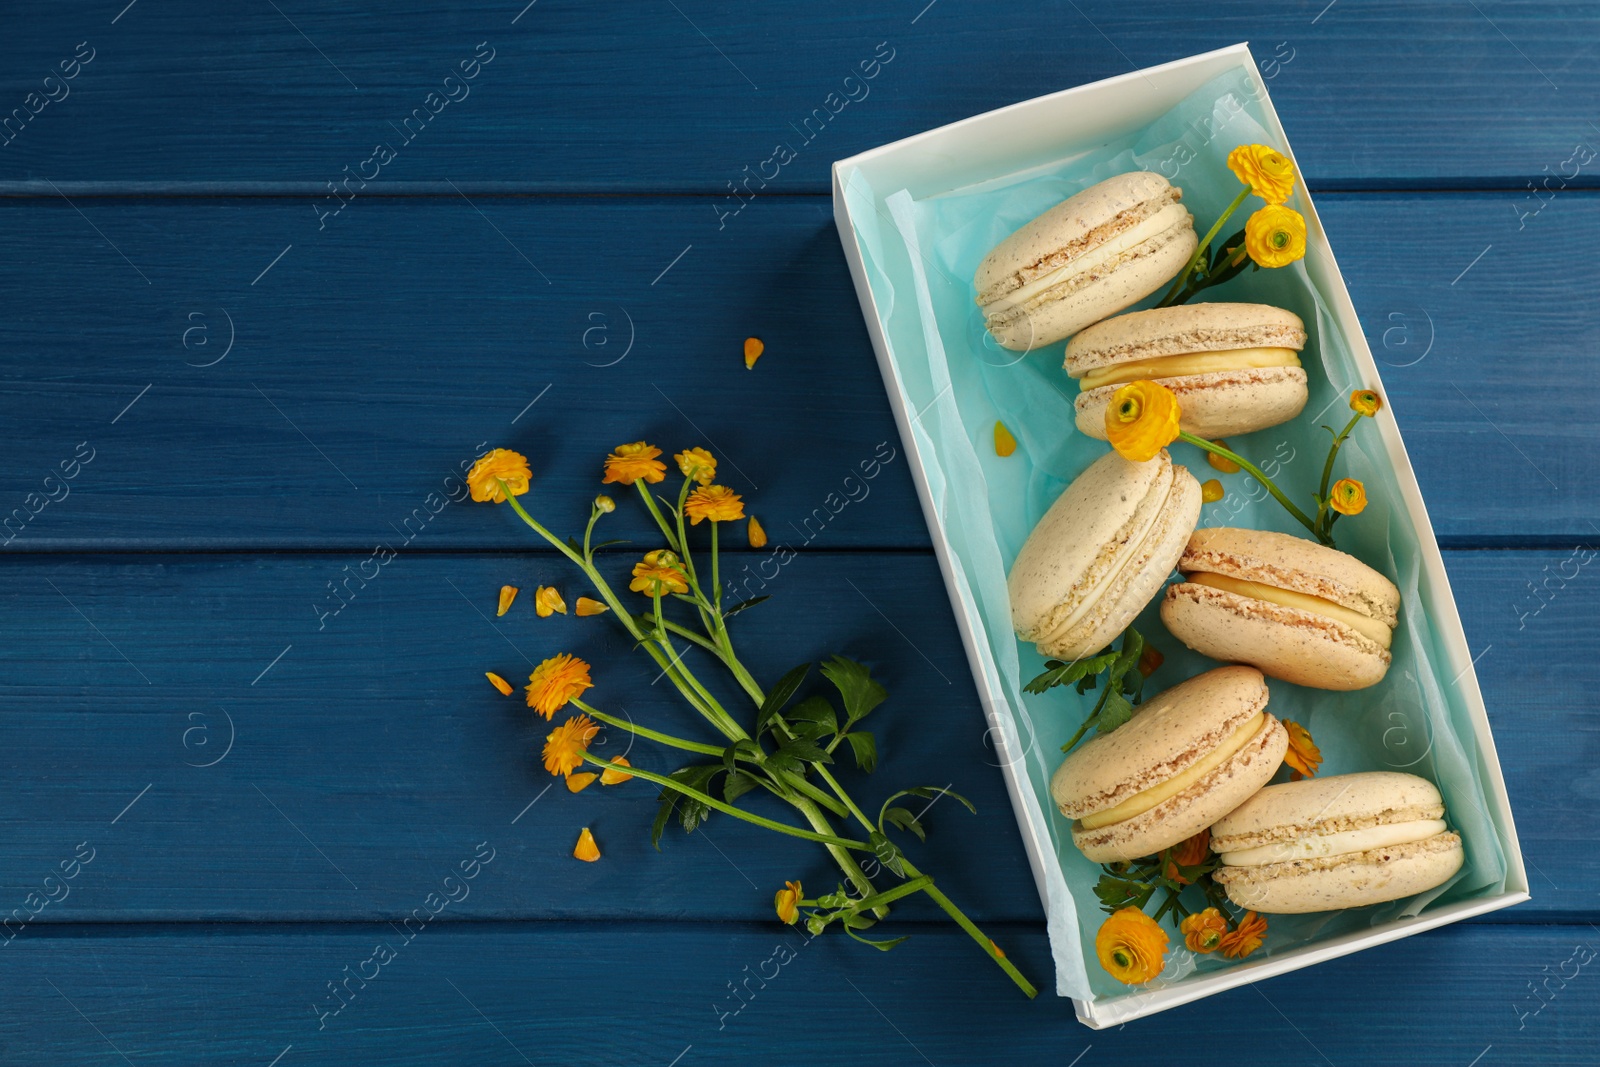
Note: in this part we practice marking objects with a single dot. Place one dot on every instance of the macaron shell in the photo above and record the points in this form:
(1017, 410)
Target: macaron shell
(1223, 404)
(1055, 317)
(1295, 563)
(1296, 646)
(1350, 881)
(1140, 578)
(1168, 733)
(1181, 330)
(1327, 804)
(1181, 817)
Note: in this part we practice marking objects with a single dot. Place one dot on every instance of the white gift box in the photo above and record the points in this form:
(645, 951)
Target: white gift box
(872, 192)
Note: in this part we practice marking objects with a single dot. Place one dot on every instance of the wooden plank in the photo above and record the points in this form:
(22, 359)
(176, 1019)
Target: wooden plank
(678, 993)
(367, 753)
(370, 358)
(686, 97)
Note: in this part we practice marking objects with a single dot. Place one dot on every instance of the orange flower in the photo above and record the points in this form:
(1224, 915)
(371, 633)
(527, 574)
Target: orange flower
(611, 777)
(587, 607)
(1132, 946)
(1004, 442)
(1348, 497)
(508, 593)
(757, 533)
(715, 502)
(1303, 757)
(752, 351)
(502, 464)
(1141, 420)
(1204, 930)
(565, 745)
(556, 681)
(498, 682)
(1267, 172)
(1219, 463)
(1211, 490)
(629, 463)
(1365, 402)
(1245, 938)
(658, 574)
(577, 783)
(586, 849)
(1150, 660)
(547, 601)
(787, 902)
(1190, 853)
(698, 464)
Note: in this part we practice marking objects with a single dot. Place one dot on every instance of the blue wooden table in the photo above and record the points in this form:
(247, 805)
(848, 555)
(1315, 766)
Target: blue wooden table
(242, 347)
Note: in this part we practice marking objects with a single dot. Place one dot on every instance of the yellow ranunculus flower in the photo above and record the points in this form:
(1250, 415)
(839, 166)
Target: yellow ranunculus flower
(1365, 402)
(787, 902)
(628, 463)
(556, 681)
(1275, 236)
(698, 464)
(565, 745)
(1303, 756)
(1348, 497)
(1203, 931)
(658, 574)
(715, 502)
(1245, 938)
(1141, 420)
(502, 464)
(1267, 172)
(1132, 946)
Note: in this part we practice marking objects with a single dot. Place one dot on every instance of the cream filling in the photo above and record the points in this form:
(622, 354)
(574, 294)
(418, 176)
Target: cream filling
(1231, 359)
(1342, 843)
(1161, 221)
(1144, 800)
(1362, 624)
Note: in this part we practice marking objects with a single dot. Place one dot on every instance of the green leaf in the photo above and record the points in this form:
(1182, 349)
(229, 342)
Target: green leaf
(803, 750)
(736, 785)
(865, 749)
(691, 813)
(887, 852)
(608, 544)
(854, 681)
(881, 946)
(1058, 672)
(697, 776)
(933, 792)
(742, 605)
(906, 821)
(576, 545)
(669, 800)
(779, 695)
(1115, 711)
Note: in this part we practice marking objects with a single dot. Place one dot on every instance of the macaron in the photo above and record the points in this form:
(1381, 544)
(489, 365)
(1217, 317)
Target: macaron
(1090, 256)
(1235, 368)
(1186, 758)
(1298, 610)
(1338, 842)
(1101, 553)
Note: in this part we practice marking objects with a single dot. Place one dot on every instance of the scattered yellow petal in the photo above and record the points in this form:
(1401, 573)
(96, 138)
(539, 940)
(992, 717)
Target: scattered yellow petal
(587, 850)
(752, 351)
(546, 601)
(577, 783)
(1211, 491)
(498, 682)
(758, 534)
(587, 607)
(1004, 443)
(508, 593)
(1218, 463)
(998, 951)
(609, 777)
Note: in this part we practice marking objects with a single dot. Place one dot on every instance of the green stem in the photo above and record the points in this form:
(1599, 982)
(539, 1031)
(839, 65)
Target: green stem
(588, 532)
(1200, 249)
(650, 502)
(1256, 473)
(644, 731)
(728, 809)
(983, 940)
(1327, 473)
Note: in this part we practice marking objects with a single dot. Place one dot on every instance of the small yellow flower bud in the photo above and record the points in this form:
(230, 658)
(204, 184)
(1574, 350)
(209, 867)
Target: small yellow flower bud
(604, 504)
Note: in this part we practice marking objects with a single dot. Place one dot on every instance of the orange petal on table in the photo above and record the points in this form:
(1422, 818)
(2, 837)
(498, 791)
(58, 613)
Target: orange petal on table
(508, 593)
(757, 533)
(498, 682)
(588, 607)
(610, 777)
(577, 783)
(1211, 491)
(1004, 443)
(587, 850)
(752, 351)
(546, 601)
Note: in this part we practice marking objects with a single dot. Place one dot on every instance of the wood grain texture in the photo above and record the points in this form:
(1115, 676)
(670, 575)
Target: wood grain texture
(650, 993)
(683, 97)
(373, 750)
(376, 354)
